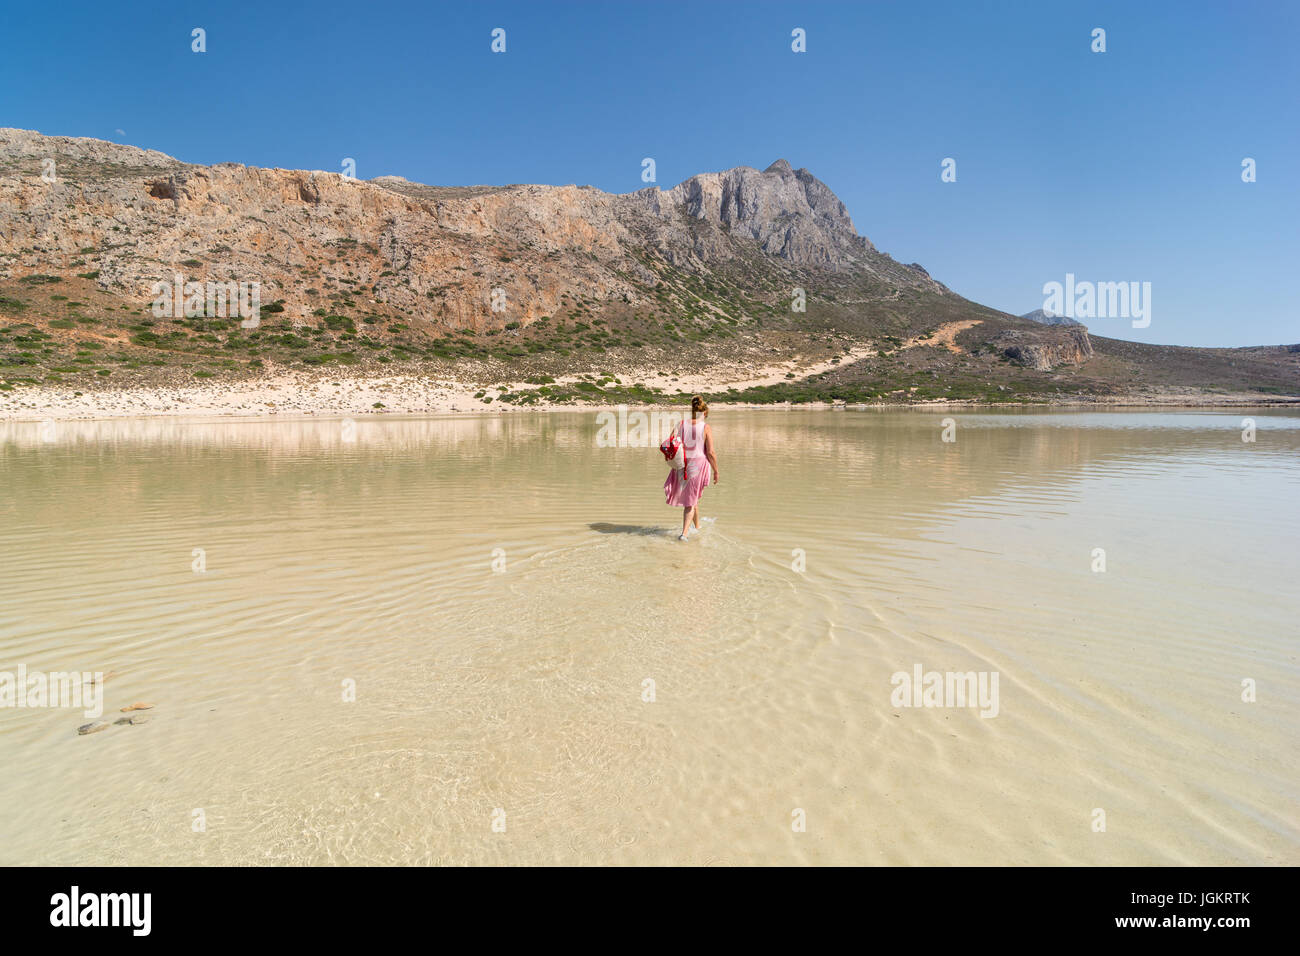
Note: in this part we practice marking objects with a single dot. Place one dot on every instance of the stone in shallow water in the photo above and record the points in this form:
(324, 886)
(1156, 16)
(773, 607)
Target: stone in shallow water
(93, 727)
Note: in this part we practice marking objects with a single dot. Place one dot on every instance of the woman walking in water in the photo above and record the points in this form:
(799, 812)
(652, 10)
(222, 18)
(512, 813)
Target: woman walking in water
(685, 485)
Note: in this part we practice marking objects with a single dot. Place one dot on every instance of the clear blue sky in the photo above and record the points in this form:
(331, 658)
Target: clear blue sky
(1122, 166)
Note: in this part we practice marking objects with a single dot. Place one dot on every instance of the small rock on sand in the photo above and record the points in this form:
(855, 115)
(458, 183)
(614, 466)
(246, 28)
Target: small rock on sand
(138, 705)
(93, 727)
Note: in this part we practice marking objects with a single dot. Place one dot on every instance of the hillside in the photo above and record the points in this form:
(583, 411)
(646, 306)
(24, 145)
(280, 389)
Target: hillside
(597, 296)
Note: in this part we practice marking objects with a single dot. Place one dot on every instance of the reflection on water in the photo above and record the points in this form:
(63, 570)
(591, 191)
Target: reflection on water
(524, 632)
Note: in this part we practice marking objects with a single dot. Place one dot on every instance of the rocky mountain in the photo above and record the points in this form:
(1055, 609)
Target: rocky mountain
(137, 217)
(739, 268)
(789, 213)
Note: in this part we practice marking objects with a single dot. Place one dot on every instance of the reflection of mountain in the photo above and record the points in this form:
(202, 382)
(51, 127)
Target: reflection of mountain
(866, 460)
(887, 465)
(282, 436)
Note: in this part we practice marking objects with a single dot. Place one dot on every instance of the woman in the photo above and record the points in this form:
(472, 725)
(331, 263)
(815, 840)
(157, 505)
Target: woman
(685, 485)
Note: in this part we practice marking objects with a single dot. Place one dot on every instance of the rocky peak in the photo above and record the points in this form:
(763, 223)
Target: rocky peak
(790, 213)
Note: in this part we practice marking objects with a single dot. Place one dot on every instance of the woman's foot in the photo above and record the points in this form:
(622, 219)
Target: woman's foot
(681, 537)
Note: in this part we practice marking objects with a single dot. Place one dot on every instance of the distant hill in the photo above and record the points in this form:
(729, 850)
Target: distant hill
(1047, 318)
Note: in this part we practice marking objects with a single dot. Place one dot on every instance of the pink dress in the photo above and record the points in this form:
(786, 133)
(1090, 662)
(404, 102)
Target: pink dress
(684, 494)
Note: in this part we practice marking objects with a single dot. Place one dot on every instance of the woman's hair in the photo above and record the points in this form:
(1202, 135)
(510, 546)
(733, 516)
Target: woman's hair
(698, 405)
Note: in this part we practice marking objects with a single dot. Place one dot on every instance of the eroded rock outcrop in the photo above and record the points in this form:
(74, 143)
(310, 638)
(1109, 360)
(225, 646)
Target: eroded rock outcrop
(1045, 349)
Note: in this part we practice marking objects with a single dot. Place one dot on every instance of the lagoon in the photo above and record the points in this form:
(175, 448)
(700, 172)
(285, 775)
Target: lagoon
(476, 639)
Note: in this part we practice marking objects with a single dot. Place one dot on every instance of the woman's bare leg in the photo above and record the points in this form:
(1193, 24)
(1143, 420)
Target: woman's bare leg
(686, 520)
(695, 517)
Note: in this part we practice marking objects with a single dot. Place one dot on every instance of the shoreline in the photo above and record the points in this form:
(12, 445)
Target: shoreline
(477, 388)
(410, 395)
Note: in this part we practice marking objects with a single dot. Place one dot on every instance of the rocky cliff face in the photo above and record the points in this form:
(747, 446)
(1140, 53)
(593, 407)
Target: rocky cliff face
(135, 217)
(790, 214)
(1068, 345)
